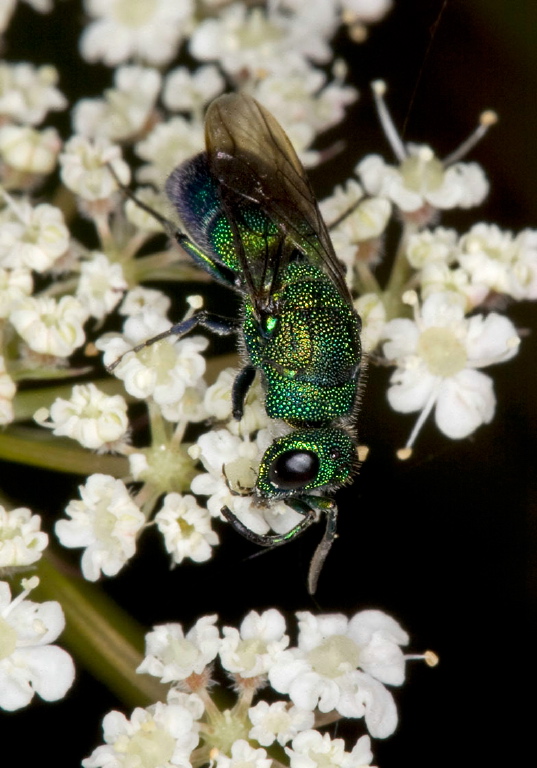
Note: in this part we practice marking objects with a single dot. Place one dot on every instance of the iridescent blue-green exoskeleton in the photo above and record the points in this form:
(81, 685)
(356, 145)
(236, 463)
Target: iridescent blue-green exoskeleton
(254, 225)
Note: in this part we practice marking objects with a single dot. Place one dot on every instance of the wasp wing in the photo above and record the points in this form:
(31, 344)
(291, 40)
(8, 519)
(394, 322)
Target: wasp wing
(252, 158)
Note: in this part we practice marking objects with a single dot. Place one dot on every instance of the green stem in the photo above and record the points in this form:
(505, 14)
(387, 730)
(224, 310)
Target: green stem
(39, 448)
(400, 275)
(102, 637)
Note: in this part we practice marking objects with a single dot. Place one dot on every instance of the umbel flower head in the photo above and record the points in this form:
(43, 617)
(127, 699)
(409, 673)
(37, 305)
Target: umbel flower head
(339, 664)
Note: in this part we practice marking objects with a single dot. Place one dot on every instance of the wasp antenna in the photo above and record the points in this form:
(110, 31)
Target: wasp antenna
(168, 226)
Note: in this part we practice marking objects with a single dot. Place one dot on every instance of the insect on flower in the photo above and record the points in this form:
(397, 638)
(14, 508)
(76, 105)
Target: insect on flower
(254, 225)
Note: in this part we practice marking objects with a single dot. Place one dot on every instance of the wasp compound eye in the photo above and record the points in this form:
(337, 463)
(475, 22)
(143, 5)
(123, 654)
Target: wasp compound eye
(294, 469)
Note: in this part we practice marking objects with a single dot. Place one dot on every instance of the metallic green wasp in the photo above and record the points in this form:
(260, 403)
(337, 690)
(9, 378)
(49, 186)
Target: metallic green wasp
(254, 225)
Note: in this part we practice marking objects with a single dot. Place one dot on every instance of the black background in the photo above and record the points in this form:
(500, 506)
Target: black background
(444, 542)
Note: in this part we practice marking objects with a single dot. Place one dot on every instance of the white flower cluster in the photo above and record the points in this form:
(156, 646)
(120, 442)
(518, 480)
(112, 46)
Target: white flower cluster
(438, 352)
(339, 665)
(29, 663)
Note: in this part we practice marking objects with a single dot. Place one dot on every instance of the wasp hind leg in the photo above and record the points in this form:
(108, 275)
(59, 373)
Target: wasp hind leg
(309, 508)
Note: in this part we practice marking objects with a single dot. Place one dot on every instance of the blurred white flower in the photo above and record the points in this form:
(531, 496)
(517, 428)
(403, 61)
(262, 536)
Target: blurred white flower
(167, 146)
(28, 663)
(186, 528)
(21, 539)
(251, 651)
(437, 355)
(101, 285)
(8, 390)
(422, 179)
(218, 404)
(524, 273)
(278, 722)
(243, 756)
(84, 168)
(106, 522)
(373, 315)
(186, 91)
(161, 736)
(50, 327)
(430, 245)
(142, 219)
(90, 417)
(148, 30)
(125, 111)
(15, 284)
(172, 656)
(28, 150)
(32, 237)
(27, 93)
(260, 41)
(311, 749)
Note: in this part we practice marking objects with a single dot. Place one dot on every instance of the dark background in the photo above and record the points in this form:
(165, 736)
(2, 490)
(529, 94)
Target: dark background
(443, 542)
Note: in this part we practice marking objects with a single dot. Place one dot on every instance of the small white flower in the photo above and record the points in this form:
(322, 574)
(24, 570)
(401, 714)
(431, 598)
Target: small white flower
(243, 756)
(278, 722)
(304, 104)
(259, 41)
(163, 370)
(126, 109)
(373, 315)
(325, 671)
(28, 663)
(172, 656)
(524, 273)
(232, 465)
(438, 244)
(437, 355)
(161, 736)
(28, 150)
(422, 179)
(186, 91)
(21, 538)
(438, 276)
(142, 219)
(251, 651)
(32, 237)
(27, 93)
(312, 749)
(101, 285)
(150, 30)
(50, 327)
(218, 404)
(141, 299)
(90, 417)
(366, 11)
(84, 168)
(168, 145)
(186, 528)
(15, 284)
(106, 522)
(8, 391)
(488, 254)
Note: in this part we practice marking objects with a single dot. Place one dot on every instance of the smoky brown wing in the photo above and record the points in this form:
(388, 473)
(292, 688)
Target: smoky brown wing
(250, 155)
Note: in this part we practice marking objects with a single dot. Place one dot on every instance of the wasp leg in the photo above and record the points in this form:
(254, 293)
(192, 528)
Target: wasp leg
(329, 507)
(221, 326)
(273, 539)
(241, 385)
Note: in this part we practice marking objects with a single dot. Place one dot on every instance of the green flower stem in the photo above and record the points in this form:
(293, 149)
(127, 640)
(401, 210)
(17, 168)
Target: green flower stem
(165, 265)
(101, 636)
(39, 448)
(365, 280)
(399, 277)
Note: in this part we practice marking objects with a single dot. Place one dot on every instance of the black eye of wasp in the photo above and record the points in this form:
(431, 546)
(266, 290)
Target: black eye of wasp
(294, 469)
